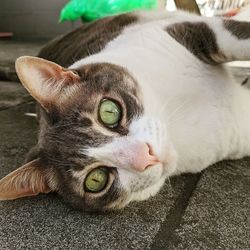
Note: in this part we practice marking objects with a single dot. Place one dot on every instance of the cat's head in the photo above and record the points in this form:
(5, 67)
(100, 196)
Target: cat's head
(96, 146)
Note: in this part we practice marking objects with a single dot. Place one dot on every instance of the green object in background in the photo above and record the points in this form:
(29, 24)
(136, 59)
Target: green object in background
(90, 10)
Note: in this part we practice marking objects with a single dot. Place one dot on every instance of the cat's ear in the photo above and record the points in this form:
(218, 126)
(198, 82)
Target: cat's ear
(28, 180)
(49, 83)
(213, 40)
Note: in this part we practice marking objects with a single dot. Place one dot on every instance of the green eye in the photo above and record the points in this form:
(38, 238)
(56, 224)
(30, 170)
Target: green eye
(110, 113)
(96, 180)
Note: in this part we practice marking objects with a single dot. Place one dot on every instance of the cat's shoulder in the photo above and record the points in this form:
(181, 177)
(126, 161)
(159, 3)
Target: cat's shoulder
(91, 38)
(88, 39)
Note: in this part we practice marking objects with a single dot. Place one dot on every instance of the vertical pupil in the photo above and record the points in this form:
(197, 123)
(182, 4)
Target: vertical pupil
(109, 112)
(96, 180)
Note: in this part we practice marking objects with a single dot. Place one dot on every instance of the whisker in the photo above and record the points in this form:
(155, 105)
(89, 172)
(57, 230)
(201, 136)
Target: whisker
(170, 185)
(164, 106)
(63, 163)
(178, 109)
(178, 117)
(31, 114)
(67, 124)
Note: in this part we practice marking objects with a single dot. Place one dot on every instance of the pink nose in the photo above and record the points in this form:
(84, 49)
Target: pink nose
(143, 157)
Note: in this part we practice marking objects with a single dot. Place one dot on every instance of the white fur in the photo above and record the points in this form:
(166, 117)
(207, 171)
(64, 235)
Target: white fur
(206, 113)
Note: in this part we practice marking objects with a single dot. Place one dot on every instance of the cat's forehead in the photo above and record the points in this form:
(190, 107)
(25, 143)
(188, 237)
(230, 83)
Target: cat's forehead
(107, 77)
(108, 81)
(104, 80)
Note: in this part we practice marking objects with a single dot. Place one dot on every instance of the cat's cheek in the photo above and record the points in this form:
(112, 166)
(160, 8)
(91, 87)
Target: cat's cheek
(132, 182)
(147, 192)
(169, 161)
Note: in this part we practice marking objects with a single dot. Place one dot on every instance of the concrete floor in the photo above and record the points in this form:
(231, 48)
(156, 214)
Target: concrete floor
(203, 211)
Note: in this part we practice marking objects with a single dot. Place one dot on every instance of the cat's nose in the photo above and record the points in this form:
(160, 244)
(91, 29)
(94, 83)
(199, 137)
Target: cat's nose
(143, 157)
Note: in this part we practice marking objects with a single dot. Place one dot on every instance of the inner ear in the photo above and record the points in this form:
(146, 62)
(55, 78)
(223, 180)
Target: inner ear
(49, 83)
(28, 180)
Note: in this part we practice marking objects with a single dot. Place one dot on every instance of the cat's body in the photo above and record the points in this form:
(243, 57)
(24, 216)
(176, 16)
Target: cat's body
(206, 112)
(180, 108)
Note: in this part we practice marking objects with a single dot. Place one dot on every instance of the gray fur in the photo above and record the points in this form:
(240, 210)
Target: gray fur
(198, 38)
(241, 30)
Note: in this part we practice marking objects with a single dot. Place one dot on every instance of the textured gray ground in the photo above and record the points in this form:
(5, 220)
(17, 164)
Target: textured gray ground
(9, 51)
(205, 211)
(12, 94)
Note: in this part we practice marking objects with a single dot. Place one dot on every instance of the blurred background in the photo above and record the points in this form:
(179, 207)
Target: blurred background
(33, 19)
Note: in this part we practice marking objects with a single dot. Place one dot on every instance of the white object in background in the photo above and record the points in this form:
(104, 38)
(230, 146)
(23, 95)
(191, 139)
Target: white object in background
(244, 14)
(161, 4)
(219, 7)
(170, 5)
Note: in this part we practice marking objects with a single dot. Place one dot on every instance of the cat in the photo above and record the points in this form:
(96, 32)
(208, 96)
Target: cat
(129, 100)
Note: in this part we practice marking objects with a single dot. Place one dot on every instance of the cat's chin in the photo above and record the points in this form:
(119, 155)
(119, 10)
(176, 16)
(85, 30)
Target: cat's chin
(157, 175)
(139, 195)
(168, 166)
(147, 192)
(152, 190)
